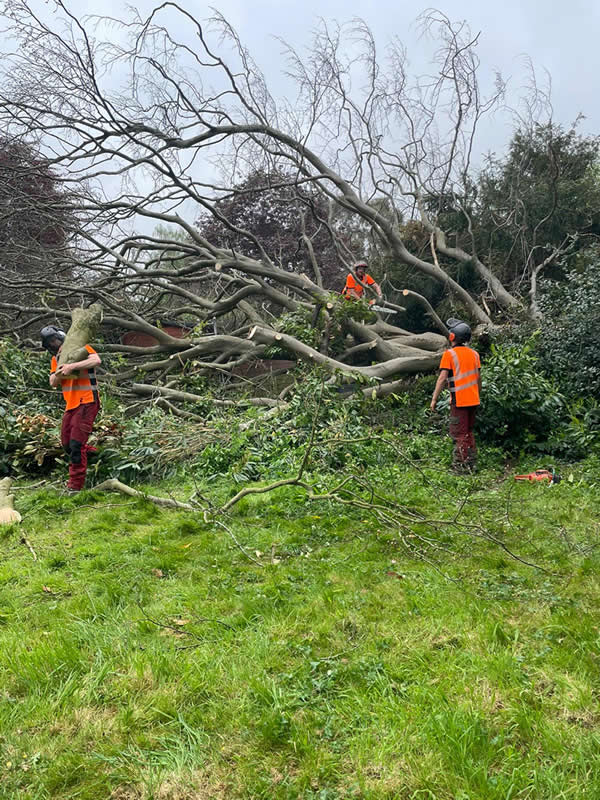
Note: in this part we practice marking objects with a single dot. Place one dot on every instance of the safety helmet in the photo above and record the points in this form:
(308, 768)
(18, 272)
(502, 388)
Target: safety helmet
(459, 331)
(361, 265)
(48, 333)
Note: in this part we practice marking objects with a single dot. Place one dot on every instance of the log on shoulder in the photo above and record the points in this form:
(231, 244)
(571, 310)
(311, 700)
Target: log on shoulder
(84, 327)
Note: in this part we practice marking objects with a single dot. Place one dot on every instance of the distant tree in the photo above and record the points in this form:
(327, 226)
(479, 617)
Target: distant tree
(36, 220)
(272, 213)
(538, 205)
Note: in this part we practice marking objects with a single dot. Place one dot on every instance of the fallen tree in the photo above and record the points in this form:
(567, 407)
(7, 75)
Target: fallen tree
(128, 162)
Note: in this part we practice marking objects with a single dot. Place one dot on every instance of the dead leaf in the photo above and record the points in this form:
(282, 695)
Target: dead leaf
(185, 546)
(48, 590)
(180, 621)
(276, 776)
(158, 573)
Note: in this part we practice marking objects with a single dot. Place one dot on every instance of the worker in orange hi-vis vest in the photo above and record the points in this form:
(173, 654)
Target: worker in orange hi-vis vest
(460, 370)
(353, 289)
(80, 391)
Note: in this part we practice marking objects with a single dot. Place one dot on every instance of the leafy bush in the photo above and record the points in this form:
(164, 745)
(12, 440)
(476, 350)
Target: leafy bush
(569, 347)
(29, 442)
(24, 380)
(521, 407)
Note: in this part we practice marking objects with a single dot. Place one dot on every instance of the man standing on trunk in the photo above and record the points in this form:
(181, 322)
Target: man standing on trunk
(80, 390)
(460, 369)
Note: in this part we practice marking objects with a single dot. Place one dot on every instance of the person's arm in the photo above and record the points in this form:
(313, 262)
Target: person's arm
(441, 382)
(54, 380)
(93, 360)
(377, 289)
(479, 382)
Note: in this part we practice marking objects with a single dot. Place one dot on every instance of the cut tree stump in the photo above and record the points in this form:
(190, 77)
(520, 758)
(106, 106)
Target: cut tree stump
(8, 515)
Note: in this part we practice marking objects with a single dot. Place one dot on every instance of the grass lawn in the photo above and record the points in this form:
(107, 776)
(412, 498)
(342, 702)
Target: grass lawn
(143, 655)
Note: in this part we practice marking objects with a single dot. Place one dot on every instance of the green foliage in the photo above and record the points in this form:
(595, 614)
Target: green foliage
(309, 328)
(24, 379)
(30, 442)
(569, 347)
(524, 409)
(544, 191)
(29, 412)
(521, 407)
(300, 325)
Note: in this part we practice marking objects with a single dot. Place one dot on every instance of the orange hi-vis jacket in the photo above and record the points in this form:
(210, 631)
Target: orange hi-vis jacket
(464, 365)
(352, 283)
(80, 387)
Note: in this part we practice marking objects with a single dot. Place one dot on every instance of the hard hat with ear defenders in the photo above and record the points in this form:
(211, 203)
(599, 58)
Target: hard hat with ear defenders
(51, 332)
(459, 332)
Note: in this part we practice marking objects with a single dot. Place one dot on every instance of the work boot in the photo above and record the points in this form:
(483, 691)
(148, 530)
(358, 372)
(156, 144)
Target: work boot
(472, 459)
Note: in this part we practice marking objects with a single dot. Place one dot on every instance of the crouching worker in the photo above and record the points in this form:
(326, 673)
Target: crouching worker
(80, 390)
(460, 370)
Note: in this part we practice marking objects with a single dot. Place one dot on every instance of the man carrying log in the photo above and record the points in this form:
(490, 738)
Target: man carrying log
(80, 390)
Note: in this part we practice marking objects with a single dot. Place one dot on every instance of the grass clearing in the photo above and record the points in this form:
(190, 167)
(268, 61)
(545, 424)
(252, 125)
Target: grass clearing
(143, 656)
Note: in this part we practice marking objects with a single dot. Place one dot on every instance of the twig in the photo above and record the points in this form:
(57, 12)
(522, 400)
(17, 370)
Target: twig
(238, 544)
(25, 541)
(115, 485)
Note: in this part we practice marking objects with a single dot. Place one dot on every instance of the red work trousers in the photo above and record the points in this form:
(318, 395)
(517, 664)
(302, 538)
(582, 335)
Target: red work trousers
(462, 422)
(76, 428)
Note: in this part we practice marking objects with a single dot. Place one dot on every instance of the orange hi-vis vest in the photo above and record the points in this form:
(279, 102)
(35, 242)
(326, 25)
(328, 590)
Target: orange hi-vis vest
(352, 283)
(464, 365)
(80, 387)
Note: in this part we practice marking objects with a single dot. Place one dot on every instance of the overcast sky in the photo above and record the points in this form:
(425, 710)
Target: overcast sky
(561, 37)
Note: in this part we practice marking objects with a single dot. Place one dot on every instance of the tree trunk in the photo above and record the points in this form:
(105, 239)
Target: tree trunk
(409, 361)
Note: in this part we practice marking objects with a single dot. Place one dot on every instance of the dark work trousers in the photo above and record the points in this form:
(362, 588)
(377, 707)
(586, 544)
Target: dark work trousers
(462, 422)
(76, 428)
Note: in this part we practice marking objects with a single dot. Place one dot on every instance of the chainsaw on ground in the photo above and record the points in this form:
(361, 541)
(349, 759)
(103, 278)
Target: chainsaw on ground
(541, 475)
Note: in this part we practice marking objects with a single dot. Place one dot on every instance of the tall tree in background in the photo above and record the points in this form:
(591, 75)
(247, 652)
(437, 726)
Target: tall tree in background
(287, 219)
(539, 204)
(36, 220)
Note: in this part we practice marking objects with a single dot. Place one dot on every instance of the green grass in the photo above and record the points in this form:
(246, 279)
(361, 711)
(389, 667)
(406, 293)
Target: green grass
(144, 656)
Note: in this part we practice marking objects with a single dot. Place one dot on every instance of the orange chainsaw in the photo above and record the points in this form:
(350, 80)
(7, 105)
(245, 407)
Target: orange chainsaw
(540, 475)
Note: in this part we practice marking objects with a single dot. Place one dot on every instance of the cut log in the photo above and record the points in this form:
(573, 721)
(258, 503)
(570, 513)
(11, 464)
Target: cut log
(84, 327)
(8, 515)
